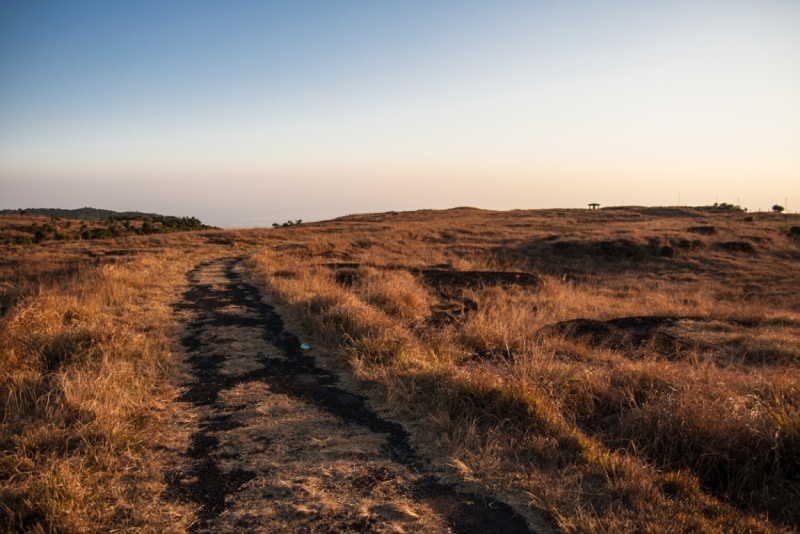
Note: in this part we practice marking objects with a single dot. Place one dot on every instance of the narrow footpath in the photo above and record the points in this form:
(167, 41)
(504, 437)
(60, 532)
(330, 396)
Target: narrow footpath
(281, 447)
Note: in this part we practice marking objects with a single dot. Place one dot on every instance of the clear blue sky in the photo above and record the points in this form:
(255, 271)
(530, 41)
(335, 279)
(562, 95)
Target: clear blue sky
(244, 113)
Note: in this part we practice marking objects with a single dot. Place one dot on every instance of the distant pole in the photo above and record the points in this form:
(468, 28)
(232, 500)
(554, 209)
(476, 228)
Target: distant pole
(737, 202)
(716, 199)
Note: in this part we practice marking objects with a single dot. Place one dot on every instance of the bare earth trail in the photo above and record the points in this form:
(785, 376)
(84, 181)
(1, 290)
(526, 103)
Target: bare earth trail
(280, 446)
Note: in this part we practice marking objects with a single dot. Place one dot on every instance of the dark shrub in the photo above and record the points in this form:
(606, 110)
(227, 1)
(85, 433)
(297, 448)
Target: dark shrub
(101, 233)
(40, 235)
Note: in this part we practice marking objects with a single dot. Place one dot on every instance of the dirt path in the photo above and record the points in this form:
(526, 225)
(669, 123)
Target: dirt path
(279, 446)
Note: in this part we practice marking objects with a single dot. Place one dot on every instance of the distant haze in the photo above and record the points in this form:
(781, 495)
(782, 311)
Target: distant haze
(246, 113)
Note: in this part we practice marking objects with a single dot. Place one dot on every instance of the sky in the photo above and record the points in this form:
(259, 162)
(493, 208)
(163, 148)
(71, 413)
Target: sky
(246, 113)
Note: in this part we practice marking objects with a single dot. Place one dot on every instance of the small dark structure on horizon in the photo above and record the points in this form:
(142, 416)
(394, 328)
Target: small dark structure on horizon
(594, 206)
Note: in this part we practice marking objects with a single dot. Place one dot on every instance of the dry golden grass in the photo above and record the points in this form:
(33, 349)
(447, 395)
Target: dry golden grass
(599, 438)
(87, 372)
(602, 439)
(85, 369)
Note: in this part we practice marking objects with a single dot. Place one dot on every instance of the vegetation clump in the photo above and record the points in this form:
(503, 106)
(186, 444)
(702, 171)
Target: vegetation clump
(55, 228)
(84, 214)
(725, 206)
(298, 222)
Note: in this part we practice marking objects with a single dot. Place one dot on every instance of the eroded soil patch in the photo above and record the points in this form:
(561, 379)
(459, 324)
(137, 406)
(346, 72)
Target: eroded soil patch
(281, 447)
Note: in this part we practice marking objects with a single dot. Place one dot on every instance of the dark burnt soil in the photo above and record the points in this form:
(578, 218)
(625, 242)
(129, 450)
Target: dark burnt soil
(298, 376)
(738, 246)
(444, 279)
(702, 230)
(453, 307)
(627, 334)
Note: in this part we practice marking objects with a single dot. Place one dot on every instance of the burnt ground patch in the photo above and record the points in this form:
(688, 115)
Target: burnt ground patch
(453, 307)
(702, 230)
(447, 279)
(441, 277)
(628, 334)
(295, 374)
(738, 246)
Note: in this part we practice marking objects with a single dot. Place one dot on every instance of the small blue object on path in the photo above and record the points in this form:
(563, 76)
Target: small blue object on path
(304, 346)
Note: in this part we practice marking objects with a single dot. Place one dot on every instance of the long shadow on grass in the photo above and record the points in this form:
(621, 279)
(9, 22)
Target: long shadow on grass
(749, 469)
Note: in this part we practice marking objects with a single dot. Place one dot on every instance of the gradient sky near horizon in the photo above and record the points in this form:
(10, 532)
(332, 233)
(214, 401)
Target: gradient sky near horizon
(245, 113)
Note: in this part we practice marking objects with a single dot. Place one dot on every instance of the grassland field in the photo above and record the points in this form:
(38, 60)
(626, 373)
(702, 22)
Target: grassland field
(618, 370)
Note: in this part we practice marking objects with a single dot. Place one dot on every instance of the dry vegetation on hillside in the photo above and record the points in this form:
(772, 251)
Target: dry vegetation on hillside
(620, 370)
(19, 229)
(648, 380)
(87, 372)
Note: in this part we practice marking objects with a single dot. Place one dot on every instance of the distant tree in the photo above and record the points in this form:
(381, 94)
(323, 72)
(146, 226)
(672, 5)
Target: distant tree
(777, 208)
